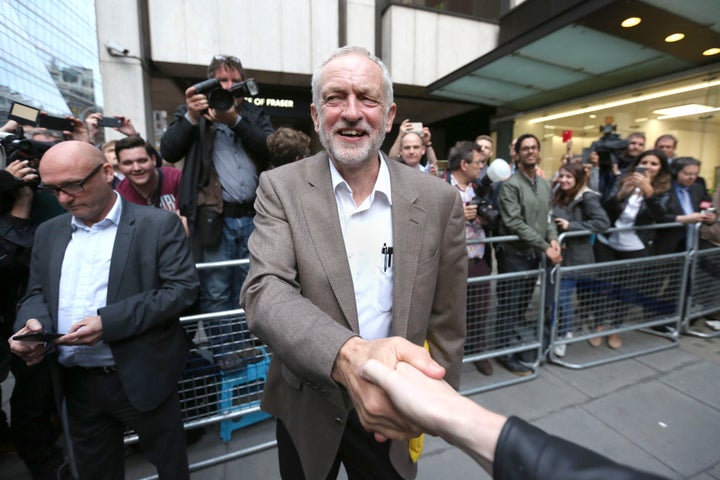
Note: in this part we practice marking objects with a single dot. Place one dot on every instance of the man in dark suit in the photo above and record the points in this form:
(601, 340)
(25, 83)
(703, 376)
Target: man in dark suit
(112, 277)
(683, 205)
(353, 257)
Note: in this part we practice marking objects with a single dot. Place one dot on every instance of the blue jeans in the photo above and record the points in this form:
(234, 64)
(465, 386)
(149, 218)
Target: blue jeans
(220, 287)
(564, 313)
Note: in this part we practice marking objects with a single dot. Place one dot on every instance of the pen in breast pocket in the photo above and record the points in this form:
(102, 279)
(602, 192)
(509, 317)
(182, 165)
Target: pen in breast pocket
(387, 253)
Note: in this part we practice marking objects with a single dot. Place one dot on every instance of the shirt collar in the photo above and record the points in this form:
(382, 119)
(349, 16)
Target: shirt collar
(531, 181)
(382, 184)
(112, 218)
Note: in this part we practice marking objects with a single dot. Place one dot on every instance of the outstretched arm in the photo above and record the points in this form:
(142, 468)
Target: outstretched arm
(436, 408)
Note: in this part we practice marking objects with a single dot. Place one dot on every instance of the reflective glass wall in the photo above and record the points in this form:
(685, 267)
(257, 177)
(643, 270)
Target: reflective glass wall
(49, 56)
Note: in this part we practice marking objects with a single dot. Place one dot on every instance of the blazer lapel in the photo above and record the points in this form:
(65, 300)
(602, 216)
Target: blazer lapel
(320, 210)
(408, 221)
(123, 241)
(54, 268)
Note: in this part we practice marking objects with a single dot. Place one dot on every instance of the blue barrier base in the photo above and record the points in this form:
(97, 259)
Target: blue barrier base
(248, 379)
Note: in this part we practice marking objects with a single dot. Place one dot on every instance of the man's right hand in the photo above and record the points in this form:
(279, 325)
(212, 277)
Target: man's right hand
(197, 103)
(372, 404)
(31, 352)
(470, 212)
(554, 253)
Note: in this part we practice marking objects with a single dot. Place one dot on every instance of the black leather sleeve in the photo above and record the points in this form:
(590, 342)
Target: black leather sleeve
(525, 452)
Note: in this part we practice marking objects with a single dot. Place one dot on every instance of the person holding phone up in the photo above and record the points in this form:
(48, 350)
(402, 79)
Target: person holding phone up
(639, 198)
(412, 144)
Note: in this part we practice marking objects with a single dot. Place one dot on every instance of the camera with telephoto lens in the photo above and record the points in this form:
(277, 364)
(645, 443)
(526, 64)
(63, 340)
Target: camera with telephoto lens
(223, 100)
(485, 210)
(15, 146)
(610, 146)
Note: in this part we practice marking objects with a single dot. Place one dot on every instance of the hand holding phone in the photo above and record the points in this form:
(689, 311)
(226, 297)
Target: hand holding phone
(111, 122)
(40, 337)
(641, 170)
(55, 123)
(416, 127)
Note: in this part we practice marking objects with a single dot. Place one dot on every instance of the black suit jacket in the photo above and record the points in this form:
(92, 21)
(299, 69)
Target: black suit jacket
(152, 280)
(673, 240)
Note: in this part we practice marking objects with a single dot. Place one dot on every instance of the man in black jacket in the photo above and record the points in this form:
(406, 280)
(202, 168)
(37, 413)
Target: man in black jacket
(225, 151)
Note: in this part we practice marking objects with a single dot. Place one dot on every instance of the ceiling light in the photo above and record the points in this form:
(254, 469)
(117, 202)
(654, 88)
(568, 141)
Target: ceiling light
(592, 115)
(631, 22)
(589, 127)
(549, 127)
(627, 101)
(711, 51)
(684, 110)
(675, 37)
(548, 135)
(640, 120)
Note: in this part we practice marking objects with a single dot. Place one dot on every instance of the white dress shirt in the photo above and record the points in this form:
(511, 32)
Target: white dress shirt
(83, 284)
(367, 229)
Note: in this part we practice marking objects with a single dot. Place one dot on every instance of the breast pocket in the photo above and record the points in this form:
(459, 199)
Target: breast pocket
(384, 290)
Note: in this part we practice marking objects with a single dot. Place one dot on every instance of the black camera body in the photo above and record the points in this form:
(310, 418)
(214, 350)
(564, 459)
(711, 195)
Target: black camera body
(16, 146)
(610, 146)
(223, 100)
(485, 210)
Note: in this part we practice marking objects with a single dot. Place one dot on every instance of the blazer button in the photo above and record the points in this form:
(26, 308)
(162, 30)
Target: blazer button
(339, 420)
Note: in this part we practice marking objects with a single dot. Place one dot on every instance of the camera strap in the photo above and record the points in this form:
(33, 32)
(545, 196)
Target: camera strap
(154, 200)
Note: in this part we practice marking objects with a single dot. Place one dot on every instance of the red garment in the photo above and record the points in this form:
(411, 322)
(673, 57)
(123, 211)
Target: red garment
(169, 191)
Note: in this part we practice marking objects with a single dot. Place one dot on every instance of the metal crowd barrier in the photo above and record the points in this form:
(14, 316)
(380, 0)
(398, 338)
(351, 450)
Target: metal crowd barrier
(643, 295)
(704, 290)
(629, 297)
(494, 332)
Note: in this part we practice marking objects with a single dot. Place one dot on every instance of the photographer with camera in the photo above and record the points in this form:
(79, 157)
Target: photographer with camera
(34, 423)
(464, 169)
(224, 145)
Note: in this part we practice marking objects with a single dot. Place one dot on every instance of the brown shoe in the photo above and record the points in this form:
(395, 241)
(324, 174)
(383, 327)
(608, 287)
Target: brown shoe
(484, 366)
(596, 341)
(614, 341)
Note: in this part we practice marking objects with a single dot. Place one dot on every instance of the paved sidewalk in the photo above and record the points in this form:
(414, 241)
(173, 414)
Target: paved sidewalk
(659, 412)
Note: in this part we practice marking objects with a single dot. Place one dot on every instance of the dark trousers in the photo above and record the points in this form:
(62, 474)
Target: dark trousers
(99, 411)
(34, 420)
(514, 297)
(362, 456)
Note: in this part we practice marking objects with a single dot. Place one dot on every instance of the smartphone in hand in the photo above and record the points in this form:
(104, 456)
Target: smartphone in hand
(110, 122)
(40, 337)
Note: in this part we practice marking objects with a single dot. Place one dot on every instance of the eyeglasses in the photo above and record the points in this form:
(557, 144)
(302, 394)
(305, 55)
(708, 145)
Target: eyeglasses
(71, 188)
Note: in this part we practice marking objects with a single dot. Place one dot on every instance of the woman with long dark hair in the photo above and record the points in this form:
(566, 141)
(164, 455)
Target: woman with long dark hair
(575, 207)
(639, 198)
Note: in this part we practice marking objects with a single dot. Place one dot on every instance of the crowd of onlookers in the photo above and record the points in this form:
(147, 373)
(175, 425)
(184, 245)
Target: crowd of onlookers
(617, 183)
(225, 151)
